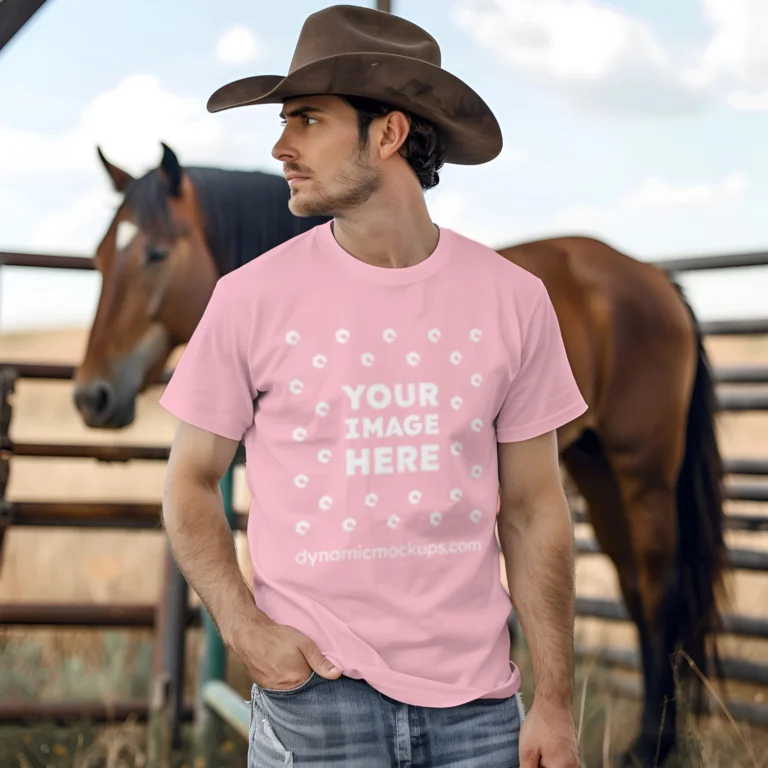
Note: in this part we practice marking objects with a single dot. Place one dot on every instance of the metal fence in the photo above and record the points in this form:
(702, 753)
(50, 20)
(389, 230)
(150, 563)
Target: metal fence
(171, 617)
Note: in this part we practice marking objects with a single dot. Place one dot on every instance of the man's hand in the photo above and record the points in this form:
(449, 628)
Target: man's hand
(280, 657)
(548, 738)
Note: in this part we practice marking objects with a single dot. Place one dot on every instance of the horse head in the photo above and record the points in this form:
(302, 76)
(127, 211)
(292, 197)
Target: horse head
(157, 276)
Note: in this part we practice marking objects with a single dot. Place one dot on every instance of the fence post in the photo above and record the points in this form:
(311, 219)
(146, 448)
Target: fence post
(167, 693)
(213, 658)
(7, 383)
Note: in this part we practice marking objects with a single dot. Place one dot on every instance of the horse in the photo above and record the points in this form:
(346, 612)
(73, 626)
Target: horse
(174, 233)
(644, 456)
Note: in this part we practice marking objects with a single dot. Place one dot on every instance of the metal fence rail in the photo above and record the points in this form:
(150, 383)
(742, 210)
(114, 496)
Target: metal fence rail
(170, 618)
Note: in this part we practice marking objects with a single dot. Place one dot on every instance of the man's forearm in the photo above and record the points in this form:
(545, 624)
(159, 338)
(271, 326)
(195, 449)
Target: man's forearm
(539, 562)
(203, 546)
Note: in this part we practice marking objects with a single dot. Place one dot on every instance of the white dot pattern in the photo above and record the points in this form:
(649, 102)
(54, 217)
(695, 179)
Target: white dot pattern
(413, 358)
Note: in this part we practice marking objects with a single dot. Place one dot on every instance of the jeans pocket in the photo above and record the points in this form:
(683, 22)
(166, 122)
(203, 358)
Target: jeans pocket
(520, 706)
(265, 750)
(289, 691)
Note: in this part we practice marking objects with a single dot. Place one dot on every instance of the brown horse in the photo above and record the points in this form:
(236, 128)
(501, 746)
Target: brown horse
(644, 456)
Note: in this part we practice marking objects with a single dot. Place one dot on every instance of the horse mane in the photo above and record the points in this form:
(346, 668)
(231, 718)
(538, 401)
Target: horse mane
(245, 212)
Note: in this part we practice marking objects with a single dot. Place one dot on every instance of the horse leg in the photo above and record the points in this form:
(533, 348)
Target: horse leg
(589, 467)
(637, 531)
(670, 476)
(653, 602)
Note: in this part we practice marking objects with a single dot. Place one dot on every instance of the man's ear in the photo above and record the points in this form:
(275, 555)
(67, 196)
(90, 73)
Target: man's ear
(395, 135)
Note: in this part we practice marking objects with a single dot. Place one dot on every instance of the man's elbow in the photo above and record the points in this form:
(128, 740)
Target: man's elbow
(547, 509)
(183, 488)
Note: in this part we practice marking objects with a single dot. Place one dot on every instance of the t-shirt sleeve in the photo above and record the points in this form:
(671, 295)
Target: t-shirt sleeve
(211, 386)
(543, 394)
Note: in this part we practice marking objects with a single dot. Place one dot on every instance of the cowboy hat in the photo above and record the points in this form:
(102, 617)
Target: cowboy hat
(347, 50)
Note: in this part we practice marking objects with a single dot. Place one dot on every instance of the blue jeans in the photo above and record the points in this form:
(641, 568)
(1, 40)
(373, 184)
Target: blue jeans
(346, 722)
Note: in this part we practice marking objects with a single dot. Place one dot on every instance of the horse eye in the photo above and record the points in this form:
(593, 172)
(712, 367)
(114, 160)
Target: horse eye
(155, 254)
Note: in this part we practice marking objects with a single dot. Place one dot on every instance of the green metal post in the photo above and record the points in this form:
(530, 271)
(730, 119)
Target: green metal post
(213, 657)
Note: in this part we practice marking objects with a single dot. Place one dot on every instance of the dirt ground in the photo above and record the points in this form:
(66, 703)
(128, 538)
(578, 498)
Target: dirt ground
(60, 565)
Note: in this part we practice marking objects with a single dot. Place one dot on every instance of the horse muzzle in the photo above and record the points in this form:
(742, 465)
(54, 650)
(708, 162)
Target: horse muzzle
(98, 402)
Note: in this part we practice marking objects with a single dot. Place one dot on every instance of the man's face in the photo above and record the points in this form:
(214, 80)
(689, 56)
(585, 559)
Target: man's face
(328, 171)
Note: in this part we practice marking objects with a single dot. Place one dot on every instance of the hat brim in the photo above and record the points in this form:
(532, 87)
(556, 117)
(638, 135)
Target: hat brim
(471, 131)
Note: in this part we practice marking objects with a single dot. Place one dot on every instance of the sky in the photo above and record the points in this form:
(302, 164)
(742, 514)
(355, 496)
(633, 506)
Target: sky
(639, 122)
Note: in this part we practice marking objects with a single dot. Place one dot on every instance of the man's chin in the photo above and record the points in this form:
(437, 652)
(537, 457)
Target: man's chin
(300, 206)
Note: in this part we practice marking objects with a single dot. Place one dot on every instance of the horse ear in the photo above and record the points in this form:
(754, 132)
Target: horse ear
(120, 178)
(171, 170)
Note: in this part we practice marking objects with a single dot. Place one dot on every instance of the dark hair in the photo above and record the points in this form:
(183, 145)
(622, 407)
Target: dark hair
(424, 149)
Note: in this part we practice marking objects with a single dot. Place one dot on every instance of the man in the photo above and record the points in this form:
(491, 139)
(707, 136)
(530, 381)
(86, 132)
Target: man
(388, 378)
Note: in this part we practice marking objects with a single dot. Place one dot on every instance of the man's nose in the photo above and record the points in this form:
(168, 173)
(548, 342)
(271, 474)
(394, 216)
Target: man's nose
(284, 152)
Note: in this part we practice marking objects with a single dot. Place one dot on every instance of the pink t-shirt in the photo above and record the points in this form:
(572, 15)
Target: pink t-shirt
(370, 401)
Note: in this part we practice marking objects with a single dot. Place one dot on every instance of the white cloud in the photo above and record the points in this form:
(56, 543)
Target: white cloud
(655, 192)
(78, 226)
(238, 46)
(653, 195)
(128, 121)
(737, 47)
(748, 102)
(455, 211)
(598, 56)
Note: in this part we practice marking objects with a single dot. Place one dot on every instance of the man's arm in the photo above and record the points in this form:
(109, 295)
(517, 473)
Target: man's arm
(536, 537)
(276, 655)
(200, 536)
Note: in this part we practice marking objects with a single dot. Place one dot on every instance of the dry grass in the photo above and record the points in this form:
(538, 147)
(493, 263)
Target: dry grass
(115, 566)
(606, 720)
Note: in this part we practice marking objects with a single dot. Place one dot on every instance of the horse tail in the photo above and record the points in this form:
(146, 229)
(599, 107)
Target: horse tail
(701, 549)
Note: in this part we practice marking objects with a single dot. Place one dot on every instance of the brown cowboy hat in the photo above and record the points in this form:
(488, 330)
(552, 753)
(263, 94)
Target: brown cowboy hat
(347, 50)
